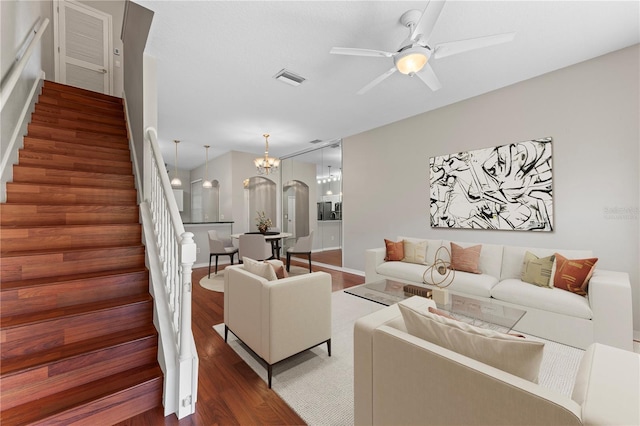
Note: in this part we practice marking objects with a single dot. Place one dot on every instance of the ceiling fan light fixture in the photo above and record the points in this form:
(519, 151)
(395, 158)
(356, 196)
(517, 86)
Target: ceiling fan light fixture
(411, 60)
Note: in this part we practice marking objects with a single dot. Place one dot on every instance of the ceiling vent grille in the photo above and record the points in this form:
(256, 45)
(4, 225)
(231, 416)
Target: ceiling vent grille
(288, 77)
(315, 141)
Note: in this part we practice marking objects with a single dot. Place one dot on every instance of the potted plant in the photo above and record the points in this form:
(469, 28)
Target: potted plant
(264, 223)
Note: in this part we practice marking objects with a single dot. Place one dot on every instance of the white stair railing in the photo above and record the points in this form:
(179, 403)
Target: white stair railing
(171, 253)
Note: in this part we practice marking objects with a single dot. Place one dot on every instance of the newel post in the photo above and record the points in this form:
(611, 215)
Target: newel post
(186, 375)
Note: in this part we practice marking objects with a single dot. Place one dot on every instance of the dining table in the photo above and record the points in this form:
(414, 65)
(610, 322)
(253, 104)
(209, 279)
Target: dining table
(274, 237)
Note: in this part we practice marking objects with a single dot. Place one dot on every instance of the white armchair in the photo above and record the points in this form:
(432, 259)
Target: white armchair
(254, 246)
(303, 246)
(277, 319)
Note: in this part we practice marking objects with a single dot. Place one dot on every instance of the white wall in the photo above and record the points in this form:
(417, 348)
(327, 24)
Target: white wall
(592, 112)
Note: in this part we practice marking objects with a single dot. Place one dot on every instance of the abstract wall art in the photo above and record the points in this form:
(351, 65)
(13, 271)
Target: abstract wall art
(509, 187)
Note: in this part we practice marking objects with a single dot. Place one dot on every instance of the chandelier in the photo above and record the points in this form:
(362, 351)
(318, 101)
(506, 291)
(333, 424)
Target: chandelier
(266, 164)
(176, 182)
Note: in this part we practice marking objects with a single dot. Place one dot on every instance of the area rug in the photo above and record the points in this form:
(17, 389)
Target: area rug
(215, 283)
(320, 388)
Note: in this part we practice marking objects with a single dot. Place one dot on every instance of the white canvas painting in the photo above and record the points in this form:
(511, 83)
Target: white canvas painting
(509, 187)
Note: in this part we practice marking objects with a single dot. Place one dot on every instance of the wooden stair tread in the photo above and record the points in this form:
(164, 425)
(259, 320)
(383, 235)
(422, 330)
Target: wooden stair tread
(75, 124)
(75, 106)
(19, 253)
(52, 110)
(13, 365)
(53, 146)
(82, 99)
(70, 311)
(45, 130)
(37, 143)
(50, 84)
(33, 282)
(81, 395)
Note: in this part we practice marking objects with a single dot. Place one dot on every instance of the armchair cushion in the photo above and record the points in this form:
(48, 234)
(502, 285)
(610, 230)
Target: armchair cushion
(515, 355)
(261, 269)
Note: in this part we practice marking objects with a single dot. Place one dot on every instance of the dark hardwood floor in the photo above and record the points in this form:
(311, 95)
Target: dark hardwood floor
(229, 391)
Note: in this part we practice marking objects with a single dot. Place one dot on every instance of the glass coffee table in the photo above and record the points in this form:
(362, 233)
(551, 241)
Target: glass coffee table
(471, 311)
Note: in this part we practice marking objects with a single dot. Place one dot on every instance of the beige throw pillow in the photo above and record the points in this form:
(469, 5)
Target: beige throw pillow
(415, 251)
(262, 269)
(536, 270)
(520, 357)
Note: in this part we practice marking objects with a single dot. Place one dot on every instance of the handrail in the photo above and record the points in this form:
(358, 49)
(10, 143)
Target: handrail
(15, 72)
(176, 254)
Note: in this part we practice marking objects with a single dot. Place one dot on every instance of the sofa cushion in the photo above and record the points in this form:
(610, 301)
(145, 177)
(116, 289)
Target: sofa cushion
(415, 251)
(515, 355)
(402, 271)
(465, 259)
(278, 268)
(536, 270)
(490, 257)
(395, 250)
(543, 298)
(513, 255)
(262, 269)
(573, 274)
(467, 283)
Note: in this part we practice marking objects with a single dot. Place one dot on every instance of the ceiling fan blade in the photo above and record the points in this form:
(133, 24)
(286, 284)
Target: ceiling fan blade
(428, 76)
(454, 47)
(353, 51)
(428, 20)
(377, 81)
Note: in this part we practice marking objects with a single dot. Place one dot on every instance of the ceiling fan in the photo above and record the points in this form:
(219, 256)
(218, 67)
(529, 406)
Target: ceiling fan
(414, 53)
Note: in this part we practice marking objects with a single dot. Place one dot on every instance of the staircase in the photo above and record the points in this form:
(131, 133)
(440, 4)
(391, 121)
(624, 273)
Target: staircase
(77, 341)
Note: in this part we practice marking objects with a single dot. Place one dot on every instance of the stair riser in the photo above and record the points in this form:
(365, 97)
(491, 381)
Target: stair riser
(76, 150)
(49, 379)
(79, 136)
(112, 409)
(34, 337)
(70, 293)
(16, 268)
(74, 106)
(60, 238)
(87, 101)
(79, 125)
(40, 175)
(47, 215)
(87, 164)
(48, 84)
(50, 194)
(56, 111)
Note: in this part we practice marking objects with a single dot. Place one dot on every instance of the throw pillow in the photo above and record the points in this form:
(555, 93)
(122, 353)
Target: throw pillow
(573, 274)
(261, 269)
(517, 356)
(415, 251)
(278, 267)
(536, 270)
(465, 259)
(395, 251)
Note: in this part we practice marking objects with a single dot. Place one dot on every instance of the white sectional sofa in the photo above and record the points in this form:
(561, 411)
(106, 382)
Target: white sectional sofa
(604, 316)
(402, 379)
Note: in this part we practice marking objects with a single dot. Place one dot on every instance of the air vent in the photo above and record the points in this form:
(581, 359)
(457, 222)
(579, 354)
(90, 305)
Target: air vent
(288, 77)
(315, 141)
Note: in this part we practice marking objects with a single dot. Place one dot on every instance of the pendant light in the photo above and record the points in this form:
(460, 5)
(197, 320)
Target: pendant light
(176, 182)
(206, 183)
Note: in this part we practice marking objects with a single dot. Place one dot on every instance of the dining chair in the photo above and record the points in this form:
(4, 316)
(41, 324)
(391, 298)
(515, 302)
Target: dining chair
(302, 247)
(255, 247)
(220, 247)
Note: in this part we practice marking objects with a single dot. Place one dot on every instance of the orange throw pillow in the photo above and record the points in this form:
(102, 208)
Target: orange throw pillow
(395, 251)
(573, 274)
(465, 259)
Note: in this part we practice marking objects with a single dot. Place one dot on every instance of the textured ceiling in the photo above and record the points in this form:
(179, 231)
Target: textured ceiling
(216, 61)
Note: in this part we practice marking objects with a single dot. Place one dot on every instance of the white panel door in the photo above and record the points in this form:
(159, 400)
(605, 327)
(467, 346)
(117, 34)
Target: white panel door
(84, 36)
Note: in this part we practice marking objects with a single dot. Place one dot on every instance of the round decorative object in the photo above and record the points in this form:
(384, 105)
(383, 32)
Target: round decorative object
(263, 229)
(440, 271)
